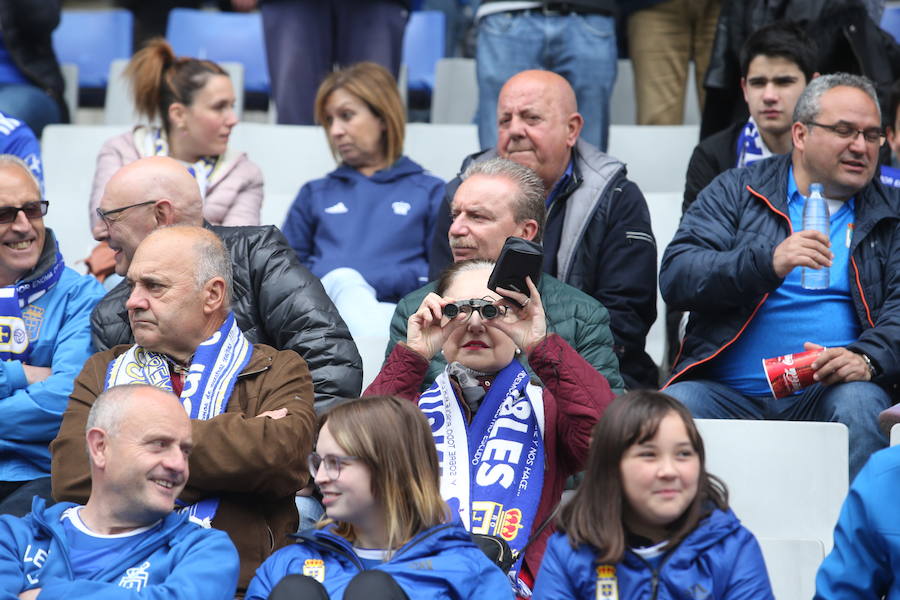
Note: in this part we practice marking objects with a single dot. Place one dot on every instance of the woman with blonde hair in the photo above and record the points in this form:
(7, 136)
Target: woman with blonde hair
(388, 534)
(193, 100)
(649, 520)
(366, 227)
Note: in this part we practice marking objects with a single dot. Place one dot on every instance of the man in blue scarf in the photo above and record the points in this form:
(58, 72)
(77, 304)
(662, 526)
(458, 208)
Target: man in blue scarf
(250, 405)
(45, 338)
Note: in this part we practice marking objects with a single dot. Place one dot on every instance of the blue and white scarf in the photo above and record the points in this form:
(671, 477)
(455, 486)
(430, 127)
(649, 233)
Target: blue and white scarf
(207, 386)
(750, 145)
(890, 176)
(202, 170)
(14, 340)
(492, 469)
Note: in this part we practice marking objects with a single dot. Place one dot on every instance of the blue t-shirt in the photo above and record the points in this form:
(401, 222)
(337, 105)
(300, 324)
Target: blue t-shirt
(91, 553)
(793, 315)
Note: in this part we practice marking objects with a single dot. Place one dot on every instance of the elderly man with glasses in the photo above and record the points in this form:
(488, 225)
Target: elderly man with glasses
(45, 336)
(736, 261)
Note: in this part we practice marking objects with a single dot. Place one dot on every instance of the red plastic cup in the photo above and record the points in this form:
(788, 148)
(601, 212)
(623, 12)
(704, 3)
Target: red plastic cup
(790, 373)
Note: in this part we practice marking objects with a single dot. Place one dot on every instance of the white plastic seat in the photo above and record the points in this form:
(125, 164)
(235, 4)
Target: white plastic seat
(665, 214)
(895, 435)
(455, 97)
(656, 156)
(792, 566)
(786, 479)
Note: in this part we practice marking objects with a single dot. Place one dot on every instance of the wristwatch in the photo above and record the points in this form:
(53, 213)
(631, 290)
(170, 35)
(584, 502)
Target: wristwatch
(873, 370)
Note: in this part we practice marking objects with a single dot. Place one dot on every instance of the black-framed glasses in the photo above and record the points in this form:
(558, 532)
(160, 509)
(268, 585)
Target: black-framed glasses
(32, 210)
(872, 135)
(332, 463)
(105, 215)
(484, 307)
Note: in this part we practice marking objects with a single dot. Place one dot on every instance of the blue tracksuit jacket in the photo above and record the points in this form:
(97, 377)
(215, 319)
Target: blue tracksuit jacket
(441, 562)
(183, 562)
(719, 560)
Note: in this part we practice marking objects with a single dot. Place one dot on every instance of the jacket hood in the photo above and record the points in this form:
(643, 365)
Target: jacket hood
(404, 167)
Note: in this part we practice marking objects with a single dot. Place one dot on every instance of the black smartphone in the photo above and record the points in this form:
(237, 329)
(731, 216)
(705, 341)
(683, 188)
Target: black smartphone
(518, 259)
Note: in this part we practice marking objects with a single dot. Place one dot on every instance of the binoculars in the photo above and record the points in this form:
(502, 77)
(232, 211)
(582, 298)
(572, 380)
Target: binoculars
(486, 308)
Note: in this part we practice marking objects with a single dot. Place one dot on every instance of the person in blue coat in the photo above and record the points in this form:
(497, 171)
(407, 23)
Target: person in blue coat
(125, 542)
(648, 521)
(865, 561)
(365, 228)
(45, 336)
(387, 533)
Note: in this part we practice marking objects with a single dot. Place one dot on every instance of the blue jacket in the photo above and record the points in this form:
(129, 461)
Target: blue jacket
(719, 265)
(720, 559)
(865, 560)
(380, 225)
(60, 332)
(17, 139)
(186, 562)
(441, 562)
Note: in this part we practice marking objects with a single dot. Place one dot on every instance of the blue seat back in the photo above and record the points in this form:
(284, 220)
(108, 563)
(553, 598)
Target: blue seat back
(93, 39)
(222, 37)
(423, 47)
(890, 21)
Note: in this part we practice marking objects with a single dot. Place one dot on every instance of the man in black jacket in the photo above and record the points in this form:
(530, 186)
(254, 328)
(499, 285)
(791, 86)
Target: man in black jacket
(277, 301)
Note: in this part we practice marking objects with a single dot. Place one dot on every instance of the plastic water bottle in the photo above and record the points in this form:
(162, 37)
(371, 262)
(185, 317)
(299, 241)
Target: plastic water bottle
(816, 217)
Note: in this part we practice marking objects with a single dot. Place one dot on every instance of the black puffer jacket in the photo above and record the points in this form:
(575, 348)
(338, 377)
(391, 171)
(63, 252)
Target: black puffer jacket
(26, 27)
(276, 302)
(719, 265)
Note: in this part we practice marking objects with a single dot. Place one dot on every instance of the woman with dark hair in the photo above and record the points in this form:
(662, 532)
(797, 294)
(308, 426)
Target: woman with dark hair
(193, 100)
(506, 445)
(366, 227)
(648, 520)
(388, 534)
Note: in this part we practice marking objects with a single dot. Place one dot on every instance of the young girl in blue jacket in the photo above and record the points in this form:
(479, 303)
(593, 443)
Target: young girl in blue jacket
(648, 522)
(388, 534)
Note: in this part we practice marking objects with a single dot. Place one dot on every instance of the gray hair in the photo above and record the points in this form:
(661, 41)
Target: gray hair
(9, 160)
(214, 260)
(529, 203)
(809, 105)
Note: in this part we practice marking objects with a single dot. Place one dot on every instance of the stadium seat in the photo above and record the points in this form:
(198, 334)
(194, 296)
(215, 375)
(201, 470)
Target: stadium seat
(895, 435)
(623, 107)
(92, 39)
(423, 46)
(890, 21)
(70, 93)
(665, 214)
(118, 108)
(222, 37)
(786, 479)
(70, 153)
(656, 156)
(792, 566)
(455, 97)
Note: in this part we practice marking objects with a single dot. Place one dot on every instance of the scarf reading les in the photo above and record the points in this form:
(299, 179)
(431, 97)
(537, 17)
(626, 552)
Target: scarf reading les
(207, 386)
(492, 469)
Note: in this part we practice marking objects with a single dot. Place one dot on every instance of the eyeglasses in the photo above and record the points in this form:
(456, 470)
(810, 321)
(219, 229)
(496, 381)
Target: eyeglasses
(106, 214)
(872, 135)
(332, 463)
(484, 307)
(32, 210)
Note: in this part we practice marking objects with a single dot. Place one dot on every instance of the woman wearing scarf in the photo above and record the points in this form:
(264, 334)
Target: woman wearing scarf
(194, 101)
(506, 446)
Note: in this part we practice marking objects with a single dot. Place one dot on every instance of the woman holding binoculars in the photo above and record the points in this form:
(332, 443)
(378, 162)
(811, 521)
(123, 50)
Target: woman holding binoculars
(505, 445)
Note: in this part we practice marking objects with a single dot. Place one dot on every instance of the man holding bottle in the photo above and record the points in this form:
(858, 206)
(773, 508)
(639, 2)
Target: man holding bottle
(733, 264)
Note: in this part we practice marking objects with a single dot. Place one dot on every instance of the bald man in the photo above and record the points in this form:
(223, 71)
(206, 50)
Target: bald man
(125, 541)
(277, 301)
(597, 236)
(251, 405)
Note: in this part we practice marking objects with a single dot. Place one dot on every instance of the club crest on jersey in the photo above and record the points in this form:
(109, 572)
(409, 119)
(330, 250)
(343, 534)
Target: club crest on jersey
(607, 583)
(135, 578)
(315, 568)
